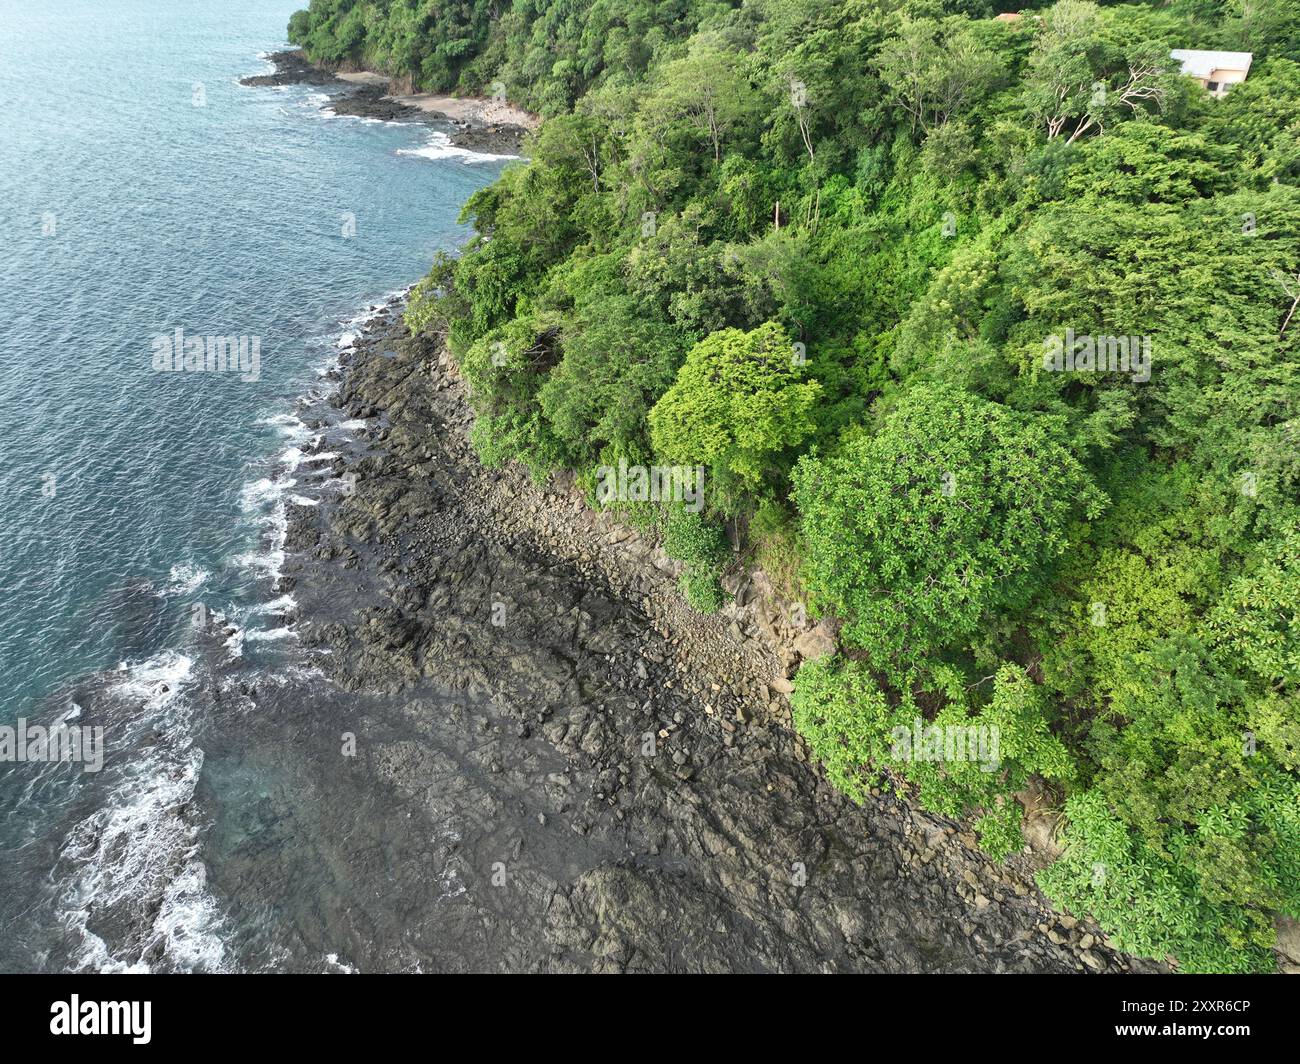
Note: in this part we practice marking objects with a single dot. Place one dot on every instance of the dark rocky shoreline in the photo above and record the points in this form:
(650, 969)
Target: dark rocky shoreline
(373, 101)
(471, 607)
(604, 779)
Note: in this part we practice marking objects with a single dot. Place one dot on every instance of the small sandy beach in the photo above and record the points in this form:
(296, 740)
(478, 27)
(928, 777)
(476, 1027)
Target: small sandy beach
(476, 109)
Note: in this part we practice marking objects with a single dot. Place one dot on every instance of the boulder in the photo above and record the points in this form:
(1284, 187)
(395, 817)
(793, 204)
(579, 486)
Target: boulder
(1288, 943)
(818, 643)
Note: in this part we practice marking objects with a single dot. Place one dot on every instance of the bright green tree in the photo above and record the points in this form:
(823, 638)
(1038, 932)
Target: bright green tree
(953, 509)
(739, 401)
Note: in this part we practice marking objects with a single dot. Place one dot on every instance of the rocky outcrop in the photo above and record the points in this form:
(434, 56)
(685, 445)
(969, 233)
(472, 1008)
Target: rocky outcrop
(1288, 945)
(291, 68)
(366, 99)
(633, 759)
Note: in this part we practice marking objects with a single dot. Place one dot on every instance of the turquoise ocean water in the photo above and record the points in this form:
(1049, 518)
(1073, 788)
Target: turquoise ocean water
(142, 191)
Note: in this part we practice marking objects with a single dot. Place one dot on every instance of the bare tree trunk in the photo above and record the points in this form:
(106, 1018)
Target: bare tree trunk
(1084, 125)
(1288, 317)
(593, 164)
(807, 140)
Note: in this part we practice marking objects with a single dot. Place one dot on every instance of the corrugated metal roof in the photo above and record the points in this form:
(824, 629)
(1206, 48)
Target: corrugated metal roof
(1203, 64)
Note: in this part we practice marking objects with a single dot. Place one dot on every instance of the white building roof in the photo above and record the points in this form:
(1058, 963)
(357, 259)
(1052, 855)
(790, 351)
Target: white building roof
(1204, 64)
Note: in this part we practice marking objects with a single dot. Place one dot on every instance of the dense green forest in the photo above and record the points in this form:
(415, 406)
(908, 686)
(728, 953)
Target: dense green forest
(828, 250)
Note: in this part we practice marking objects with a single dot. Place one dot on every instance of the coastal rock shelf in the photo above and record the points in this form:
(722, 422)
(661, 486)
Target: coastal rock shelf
(473, 127)
(624, 789)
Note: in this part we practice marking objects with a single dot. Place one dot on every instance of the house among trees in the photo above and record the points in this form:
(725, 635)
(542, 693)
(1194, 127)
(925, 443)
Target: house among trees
(1214, 70)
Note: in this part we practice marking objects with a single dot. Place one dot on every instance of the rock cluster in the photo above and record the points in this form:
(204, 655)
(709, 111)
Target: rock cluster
(634, 761)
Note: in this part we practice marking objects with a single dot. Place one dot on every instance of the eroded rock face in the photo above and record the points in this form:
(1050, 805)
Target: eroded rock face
(817, 643)
(1288, 944)
(1041, 821)
(618, 772)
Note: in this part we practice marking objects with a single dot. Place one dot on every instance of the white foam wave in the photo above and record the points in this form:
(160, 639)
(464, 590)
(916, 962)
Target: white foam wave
(277, 607)
(263, 499)
(156, 682)
(235, 642)
(266, 635)
(256, 495)
(268, 563)
(291, 426)
(185, 579)
(441, 147)
(136, 854)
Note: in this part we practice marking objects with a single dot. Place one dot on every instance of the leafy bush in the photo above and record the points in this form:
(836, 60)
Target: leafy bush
(690, 537)
(702, 590)
(702, 545)
(965, 757)
(1154, 903)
